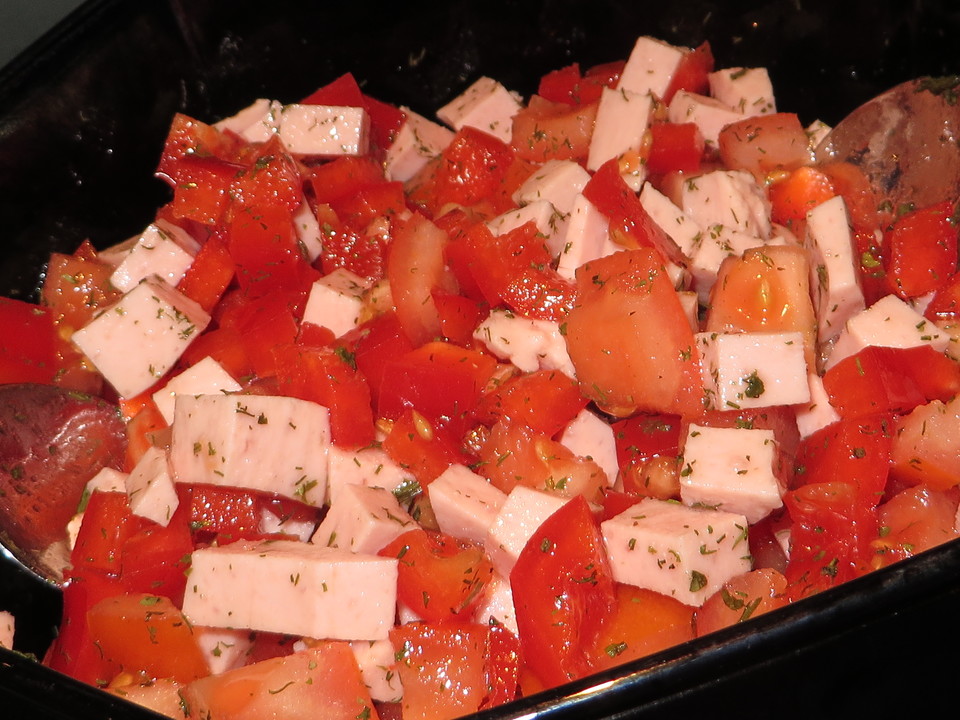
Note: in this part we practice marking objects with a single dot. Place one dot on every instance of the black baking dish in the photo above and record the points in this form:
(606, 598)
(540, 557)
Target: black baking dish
(83, 114)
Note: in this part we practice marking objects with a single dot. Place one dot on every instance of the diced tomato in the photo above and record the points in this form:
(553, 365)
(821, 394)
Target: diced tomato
(629, 339)
(270, 177)
(210, 273)
(439, 380)
(647, 449)
(472, 167)
(355, 249)
(547, 130)
(439, 577)
(340, 179)
(322, 681)
(692, 72)
(143, 431)
(741, 598)
(568, 85)
(227, 513)
(156, 558)
(926, 445)
(107, 524)
(765, 143)
(544, 400)
(265, 249)
(850, 182)
(922, 250)
(145, 633)
(328, 376)
(796, 194)
(458, 315)
(495, 261)
(643, 622)
(630, 224)
(441, 668)
(415, 269)
(945, 304)
(675, 147)
(374, 345)
(28, 343)
(424, 449)
(225, 345)
(563, 593)
(914, 520)
(884, 379)
(77, 286)
(540, 293)
(263, 323)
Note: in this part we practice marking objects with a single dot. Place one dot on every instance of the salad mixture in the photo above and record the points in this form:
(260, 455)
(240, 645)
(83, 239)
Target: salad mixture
(387, 415)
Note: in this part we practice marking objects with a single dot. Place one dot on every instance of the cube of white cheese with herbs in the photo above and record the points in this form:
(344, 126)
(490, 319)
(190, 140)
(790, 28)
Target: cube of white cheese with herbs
(684, 552)
(590, 436)
(370, 466)
(889, 322)
(206, 377)
(746, 90)
(551, 225)
(529, 343)
(622, 120)
(835, 278)
(376, 660)
(309, 234)
(521, 514)
(224, 648)
(730, 469)
(753, 369)
(651, 66)
(714, 245)
(729, 199)
(496, 605)
(486, 105)
(336, 300)
(273, 444)
(324, 130)
(363, 520)
(255, 123)
(685, 232)
(707, 113)
(464, 503)
(138, 339)
(818, 412)
(418, 141)
(294, 588)
(587, 238)
(150, 489)
(559, 182)
(162, 249)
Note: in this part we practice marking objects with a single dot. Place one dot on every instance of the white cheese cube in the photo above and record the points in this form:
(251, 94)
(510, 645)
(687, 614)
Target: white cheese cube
(730, 469)
(206, 377)
(650, 67)
(590, 436)
(746, 90)
(370, 466)
(376, 660)
(690, 302)
(685, 232)
(586, 238)
(528, 343)
(324, 130)
(7, 628)
(162, 249)
(818, 412)
(273, 524)
(486, 105)
(363, 520)
(223, 648)
(714, 245)
(560, 182)
(834, 276)
(464, 503)
(551, 225)
(684, 552)
(335, 301)
(135, 341)
(107, 480)
(622, 119)
(307, 227)
(708, 114)
(753, 369)
(889, 322)
(256, 122)
(260, 442)
(731, 199)
(497, 604)
(150, 488)
(521, 514)
(290, 587)
(417, 142)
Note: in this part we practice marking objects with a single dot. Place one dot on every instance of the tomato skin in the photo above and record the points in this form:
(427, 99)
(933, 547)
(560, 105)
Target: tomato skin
(440, 577)
(922, 250)
(563, 593)
(914, 520)
(741, 598)
(144, 633)
(545, 130)
(568, 85)
(210, 273)
(340, 179)
(544, 400)
(643, 622)
(441, 381)
(626, 298)
(28, 343)
(793, 196)
(675, 147)
(156, 558)
(107, 524)
(374, 345)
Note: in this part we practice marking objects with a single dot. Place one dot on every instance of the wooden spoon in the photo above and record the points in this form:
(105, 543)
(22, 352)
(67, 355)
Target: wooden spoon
(906, 141)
